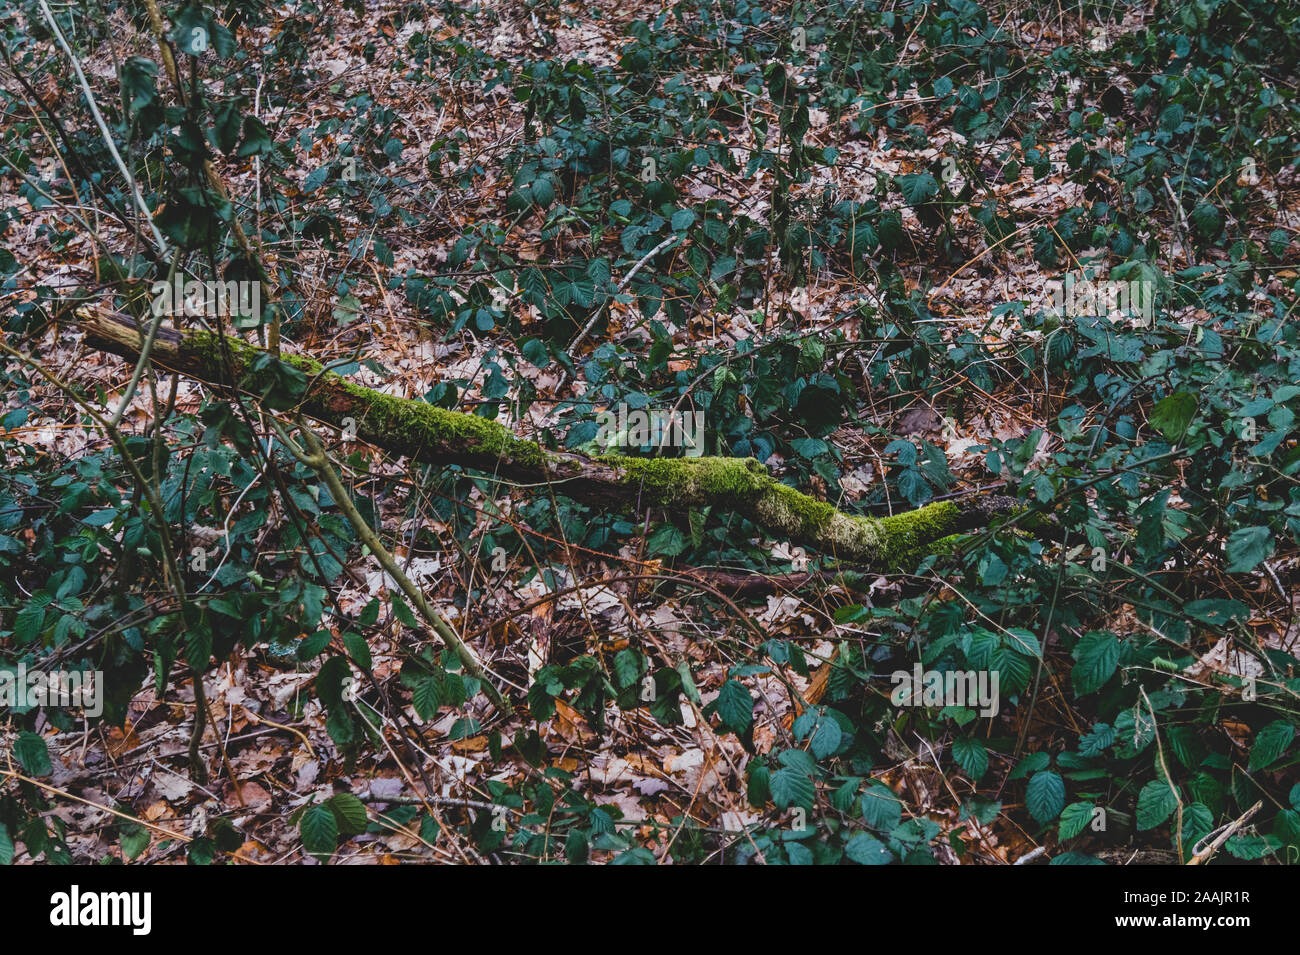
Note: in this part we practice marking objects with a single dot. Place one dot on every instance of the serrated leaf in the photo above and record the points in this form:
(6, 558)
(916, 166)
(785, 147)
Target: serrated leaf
(1247, 547)
(427, 697)
(1074, 819)
(32, 754)
(134, 839)
(881, 809)
(826, 738)
(358, 649)
(971, 756)
(1207, 220)
(1045, 795)
(866, 849)
(351, 813)
(1251, 848)
(319, 829)
(791, 787)
(627, 667)
(1270, 743)
(1096, 656)
(735, 706)
(1156, 803)
(918, 188)
(1172, 415)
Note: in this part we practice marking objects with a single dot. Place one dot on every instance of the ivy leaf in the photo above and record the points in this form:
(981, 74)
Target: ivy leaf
(1045, 795)
(666, 539)
(1270, 743)
(1156, 803)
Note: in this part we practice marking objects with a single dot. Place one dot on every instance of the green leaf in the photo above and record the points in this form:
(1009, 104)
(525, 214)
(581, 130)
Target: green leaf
(791, 787)
(666, 539)
(358, 649)
(827, 738)
(918, 188)
(6, 845)
(319, 829)
(971, 756)
(1270, 743)
(133, 838)
(315, 179)
(351, 813)
(735, 706)
(1207, 220)
(257, 138)
(1097, 656)
(1247, 546)
(866, 849)
(29, 622)
(1172, 415)
(627, 667)
(401, 611)
(1156, 803)
(881, 809)
(1045, 795)
(1074, 819)
(32, 754)
(427, 698)
(1250, 848)
(1218, 613)
(1030, 764)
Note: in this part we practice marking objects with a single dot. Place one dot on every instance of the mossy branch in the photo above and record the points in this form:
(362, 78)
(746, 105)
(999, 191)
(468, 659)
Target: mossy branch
(435, 435)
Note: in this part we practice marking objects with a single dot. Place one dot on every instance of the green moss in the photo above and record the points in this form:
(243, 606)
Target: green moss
(413, 424)
(385, 419)
(741, 485)
(911, 535)
(691, 481)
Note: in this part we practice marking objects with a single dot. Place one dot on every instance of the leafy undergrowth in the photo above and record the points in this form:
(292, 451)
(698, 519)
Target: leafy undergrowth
(832, 230)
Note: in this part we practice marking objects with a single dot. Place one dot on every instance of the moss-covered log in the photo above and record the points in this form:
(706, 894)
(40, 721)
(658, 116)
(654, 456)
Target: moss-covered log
(435, 435)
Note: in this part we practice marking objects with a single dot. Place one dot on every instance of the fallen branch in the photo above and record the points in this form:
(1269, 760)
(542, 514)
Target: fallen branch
(435, 435)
